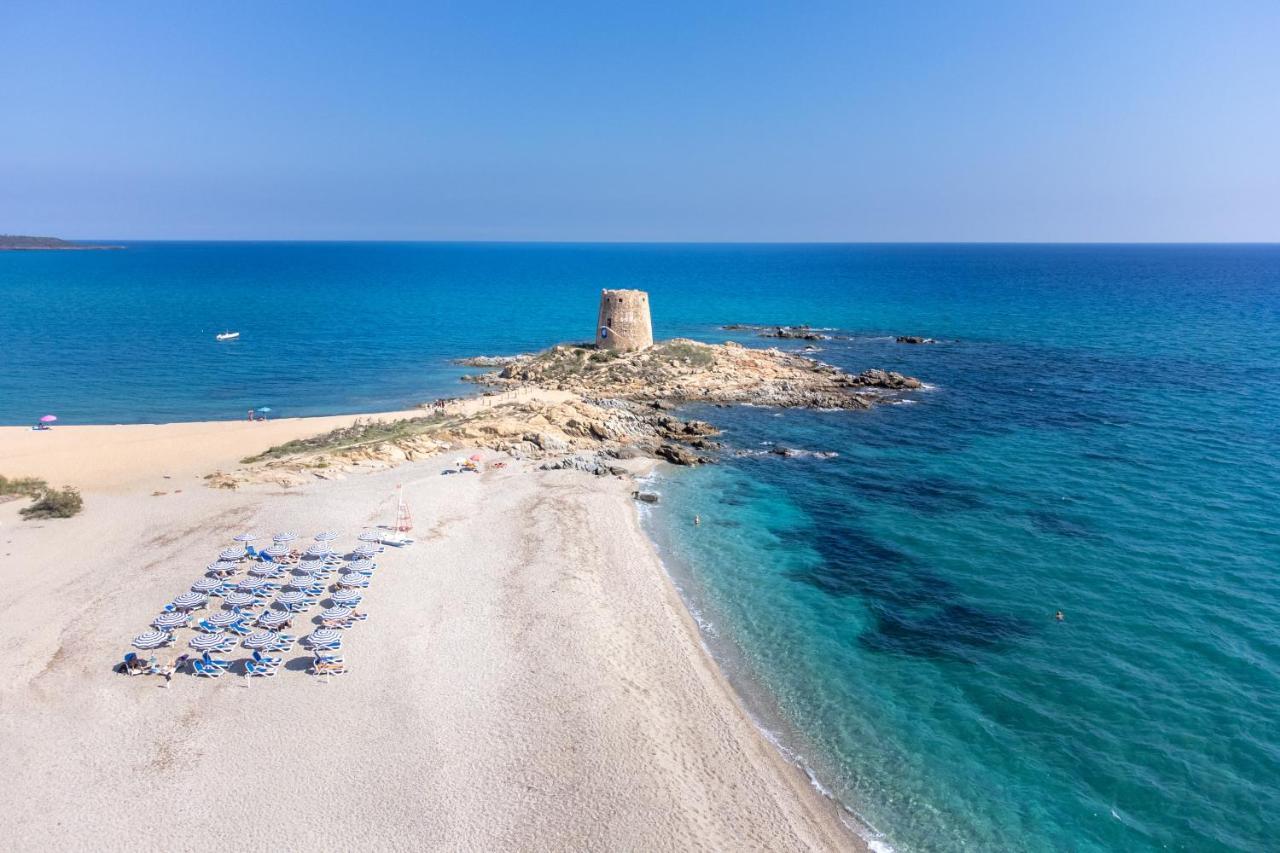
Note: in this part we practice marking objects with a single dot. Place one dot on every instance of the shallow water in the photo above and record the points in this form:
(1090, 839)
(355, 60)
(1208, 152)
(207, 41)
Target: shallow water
(1101, 437)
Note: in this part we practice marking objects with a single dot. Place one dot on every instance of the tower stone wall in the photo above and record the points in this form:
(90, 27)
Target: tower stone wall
(624, 323)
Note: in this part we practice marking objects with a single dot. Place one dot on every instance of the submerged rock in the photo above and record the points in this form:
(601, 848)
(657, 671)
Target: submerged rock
(914, 339)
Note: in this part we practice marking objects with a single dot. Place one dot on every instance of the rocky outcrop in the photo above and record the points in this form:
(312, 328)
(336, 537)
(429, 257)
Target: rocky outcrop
(684, 371)
(618, 406)
(914, 339)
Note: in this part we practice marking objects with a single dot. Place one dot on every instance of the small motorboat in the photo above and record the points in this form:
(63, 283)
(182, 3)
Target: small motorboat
(227, 336)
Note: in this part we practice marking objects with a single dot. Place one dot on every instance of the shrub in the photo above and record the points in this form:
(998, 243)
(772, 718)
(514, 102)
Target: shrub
(29, 487)
(54, 503)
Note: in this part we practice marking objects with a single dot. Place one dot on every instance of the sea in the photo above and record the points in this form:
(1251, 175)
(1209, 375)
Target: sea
(1099, 435)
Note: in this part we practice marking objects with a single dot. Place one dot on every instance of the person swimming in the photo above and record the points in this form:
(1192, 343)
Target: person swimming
(1059, 616)
(697, 520)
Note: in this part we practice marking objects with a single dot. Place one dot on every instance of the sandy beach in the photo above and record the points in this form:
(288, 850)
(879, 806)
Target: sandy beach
(527, 679)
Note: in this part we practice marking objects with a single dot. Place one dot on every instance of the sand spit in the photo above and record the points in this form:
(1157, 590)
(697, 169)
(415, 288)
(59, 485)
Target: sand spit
(527, 680)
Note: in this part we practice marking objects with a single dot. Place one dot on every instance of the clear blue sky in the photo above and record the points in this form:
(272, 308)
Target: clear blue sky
(642, 121)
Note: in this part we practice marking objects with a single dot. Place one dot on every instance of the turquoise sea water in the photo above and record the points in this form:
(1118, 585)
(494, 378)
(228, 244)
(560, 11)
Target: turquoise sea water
(1101, 436)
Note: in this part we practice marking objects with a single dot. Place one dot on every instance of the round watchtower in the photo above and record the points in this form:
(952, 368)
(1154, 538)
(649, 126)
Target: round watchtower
(624, 324)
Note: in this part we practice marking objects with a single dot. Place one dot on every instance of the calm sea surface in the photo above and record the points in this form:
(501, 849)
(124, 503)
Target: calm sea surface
(1102, 436)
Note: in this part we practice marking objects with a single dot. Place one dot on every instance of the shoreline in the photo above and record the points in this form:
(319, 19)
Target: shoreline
(756, 701)
(118, 466)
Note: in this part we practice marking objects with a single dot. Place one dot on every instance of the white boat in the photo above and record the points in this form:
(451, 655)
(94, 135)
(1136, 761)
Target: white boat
(228, 336)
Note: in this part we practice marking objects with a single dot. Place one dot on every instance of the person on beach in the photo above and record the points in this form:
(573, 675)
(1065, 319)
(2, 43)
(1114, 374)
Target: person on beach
(251, 414)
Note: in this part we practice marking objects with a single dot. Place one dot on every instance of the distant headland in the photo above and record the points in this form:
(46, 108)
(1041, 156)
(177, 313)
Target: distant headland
(18, 243)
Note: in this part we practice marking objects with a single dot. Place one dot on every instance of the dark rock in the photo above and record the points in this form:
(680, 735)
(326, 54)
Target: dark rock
(914, 339)
(887, 379)
(646, 497)
(677, 455)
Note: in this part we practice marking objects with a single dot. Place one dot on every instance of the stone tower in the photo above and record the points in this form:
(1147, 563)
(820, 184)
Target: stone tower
(624, 324)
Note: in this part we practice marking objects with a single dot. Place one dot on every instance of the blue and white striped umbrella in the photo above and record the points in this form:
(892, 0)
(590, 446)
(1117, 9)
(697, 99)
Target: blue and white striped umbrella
(250, 584)
(290, 598)
(310, 565)
(303, 582)
(370, 536)
(188, 600)
(274, 618)
(169, 621)
(336, 613)
(365, 549)
(206, 642)
(324, 636)
(346, 596)
(284, 537)
(239, 599)
(260, 639)
(223, 618)
(360, 565)
(246, 537)
(277, 551)
(327, 535)
(220, 566)
(206, 585)
(150, 640)
(353, 580)
(232, 554)
(266, 570)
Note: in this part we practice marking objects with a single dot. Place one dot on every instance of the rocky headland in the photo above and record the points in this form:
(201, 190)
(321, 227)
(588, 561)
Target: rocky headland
(576, 406)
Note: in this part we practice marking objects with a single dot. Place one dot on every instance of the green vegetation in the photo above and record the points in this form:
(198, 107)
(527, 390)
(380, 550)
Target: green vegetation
(25, 487)
(55, 503)
(697, 356)
(49, 503)
(360, 432)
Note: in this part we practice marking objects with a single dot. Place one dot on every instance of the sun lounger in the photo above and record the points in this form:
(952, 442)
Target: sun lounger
(319, 668)
(262, 670)
(212, 661)
(205, 670)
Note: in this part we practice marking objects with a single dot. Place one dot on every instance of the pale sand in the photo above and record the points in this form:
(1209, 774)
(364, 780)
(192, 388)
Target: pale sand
(528, 678)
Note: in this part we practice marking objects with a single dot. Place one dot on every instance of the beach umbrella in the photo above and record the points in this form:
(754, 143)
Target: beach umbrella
(250, 584)
(232, 554)
(274, 618)
(188, 600)
(289, 599)
(365, 550)
(238, 599)
(353, 580)
(370, 536)
(265, 570)
(284, 537)
(246, 537)
(260, 639)
(223, 618)
(207, 642)
(333, 613)
(278, 550)
(206, 585)
(151, 640)
(220, 567)
(346, 596)
(362, 565)
(324, 636)
(310, 565)
(326, 536)
(302, 582)
(48, 419)
(169, 621)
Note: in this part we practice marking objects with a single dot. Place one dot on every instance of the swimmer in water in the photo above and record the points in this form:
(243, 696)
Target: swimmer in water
(1059, 616)
(697, 520)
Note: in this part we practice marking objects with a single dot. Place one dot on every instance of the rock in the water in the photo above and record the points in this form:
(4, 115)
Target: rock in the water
(887, 379)
(677, 455)
(914, 339)
(646, 497)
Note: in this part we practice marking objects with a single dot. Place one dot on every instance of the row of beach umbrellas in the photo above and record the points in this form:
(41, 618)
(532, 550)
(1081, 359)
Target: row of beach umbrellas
(356, 574)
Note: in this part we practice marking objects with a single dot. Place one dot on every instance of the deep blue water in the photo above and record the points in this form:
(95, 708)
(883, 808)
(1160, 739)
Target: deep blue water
(1101, 437)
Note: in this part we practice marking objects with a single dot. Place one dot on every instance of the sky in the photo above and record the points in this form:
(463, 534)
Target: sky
(734, 121)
